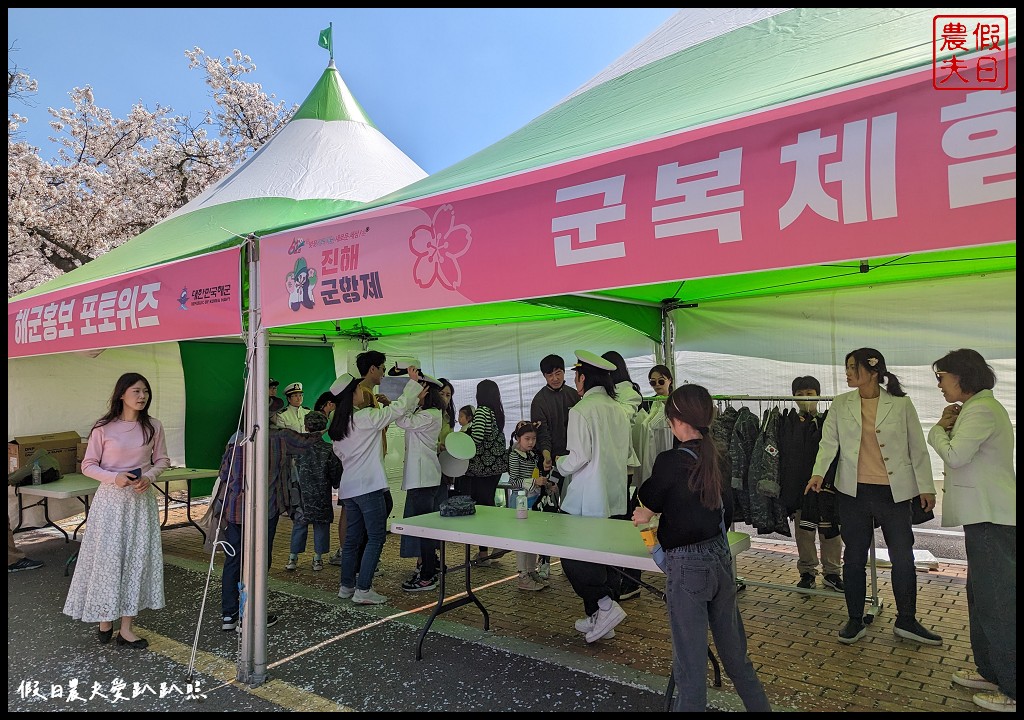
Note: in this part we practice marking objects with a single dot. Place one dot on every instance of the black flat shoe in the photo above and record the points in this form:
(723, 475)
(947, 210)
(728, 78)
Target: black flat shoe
(104, 635)
(140, 644)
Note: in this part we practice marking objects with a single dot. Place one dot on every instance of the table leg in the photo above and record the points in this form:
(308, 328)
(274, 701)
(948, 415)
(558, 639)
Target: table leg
(671, 681)
(51, 523)
(442, 606)
(188, 507)
(85, 501)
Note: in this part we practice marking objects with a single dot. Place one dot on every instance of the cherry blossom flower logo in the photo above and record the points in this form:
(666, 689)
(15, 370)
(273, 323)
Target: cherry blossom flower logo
(438, 247)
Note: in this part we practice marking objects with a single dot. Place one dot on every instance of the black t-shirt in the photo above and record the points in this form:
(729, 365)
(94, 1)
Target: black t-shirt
(684, 521)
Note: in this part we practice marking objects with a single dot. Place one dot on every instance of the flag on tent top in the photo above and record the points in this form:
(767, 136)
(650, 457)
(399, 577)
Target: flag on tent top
(326, 40)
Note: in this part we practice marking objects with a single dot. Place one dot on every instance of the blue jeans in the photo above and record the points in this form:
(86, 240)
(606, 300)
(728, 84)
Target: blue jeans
(857, 517)
(701, 594)
(992, 601)
(321, 537)
(232, 572)
(363, 513)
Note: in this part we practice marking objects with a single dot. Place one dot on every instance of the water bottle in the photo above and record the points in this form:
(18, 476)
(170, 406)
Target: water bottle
(37, 474)
(522, 507)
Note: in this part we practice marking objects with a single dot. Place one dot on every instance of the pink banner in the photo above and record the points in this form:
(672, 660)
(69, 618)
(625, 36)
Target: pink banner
(888, 167)
(194, 298)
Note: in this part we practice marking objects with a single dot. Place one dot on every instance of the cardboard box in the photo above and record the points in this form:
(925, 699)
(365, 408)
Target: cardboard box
(62, 445)
(80, 453)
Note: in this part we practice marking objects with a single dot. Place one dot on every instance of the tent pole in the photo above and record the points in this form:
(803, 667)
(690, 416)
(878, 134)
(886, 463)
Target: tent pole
(664, 355)
(252, 667)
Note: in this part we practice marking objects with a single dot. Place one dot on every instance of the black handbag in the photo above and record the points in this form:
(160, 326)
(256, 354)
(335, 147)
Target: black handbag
(917, 513)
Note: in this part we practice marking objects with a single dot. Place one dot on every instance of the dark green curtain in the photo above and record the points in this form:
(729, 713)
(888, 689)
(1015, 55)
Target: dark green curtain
(214, 377)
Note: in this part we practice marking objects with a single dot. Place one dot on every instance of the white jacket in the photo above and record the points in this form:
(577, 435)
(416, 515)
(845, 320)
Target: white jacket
(629, 400)
(598, 446)
(900, 438)
(980, 484)
(360, 451)
(422, 467)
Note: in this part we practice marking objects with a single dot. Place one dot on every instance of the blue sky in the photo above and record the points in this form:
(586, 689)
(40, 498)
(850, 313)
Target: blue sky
(440, 83)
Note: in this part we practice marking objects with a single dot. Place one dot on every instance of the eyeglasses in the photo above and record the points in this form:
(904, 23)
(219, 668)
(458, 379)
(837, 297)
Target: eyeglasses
(939, 374)
(658, 381)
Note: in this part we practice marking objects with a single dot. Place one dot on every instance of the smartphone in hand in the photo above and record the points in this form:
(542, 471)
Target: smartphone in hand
(137, 472)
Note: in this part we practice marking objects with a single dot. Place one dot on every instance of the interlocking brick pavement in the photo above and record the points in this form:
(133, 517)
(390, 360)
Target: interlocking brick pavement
(792, 637)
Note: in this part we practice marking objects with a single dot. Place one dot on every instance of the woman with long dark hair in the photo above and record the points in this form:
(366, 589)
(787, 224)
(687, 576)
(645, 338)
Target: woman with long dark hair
(597, 446)
(421, 480)
(120, 568)
(688, 489)
(655, 435)
(356, 430)
(491, 460)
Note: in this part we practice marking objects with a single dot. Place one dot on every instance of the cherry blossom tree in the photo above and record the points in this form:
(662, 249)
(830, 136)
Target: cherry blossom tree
(112, 177)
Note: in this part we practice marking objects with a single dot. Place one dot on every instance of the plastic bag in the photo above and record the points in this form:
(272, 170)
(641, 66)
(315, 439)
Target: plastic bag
(47, 463)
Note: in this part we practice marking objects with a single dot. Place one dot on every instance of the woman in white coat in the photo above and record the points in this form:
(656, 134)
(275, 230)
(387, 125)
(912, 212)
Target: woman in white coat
(421, 480)
(598, 448)
(975, 441)
(627, 395)
(883, 467)
(358, 441)
(656, 435)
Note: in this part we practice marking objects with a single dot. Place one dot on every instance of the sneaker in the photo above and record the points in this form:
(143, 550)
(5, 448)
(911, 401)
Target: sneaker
(995, 701)
(833, 581)
(605, 620)
(293, 563)
(419, 584)
(537, 578)
(913, 630)
(528, 582)
(229, 622)
(973, 679)
(481, 560)
(852, 631)
(318, 564)
(25, 564)
(544, 570)
(346, 592)
(271, 621)
(584, 625)
(335, 559)
(368, 597)
(806, 581)
(630, 594)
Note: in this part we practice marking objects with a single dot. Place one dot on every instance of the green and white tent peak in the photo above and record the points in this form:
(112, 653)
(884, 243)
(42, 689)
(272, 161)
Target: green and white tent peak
(327, 160)
(328, 150)
(331, 99)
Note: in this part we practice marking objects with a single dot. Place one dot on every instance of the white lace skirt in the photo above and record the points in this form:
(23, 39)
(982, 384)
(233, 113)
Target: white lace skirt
(120, 567)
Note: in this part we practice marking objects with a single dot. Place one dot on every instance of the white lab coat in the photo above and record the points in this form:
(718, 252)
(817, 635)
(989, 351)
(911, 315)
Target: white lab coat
(361, 450)
(629, 400)
(422, 467)
(598, 445)
(655, 438)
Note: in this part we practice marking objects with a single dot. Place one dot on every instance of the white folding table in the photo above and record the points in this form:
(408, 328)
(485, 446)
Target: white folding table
(76, 485)
(616, 543)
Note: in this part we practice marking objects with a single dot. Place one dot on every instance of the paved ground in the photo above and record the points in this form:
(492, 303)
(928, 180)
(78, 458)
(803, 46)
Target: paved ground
(326, 654)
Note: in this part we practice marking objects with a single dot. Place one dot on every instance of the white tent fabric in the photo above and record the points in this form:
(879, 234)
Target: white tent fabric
(311, 159)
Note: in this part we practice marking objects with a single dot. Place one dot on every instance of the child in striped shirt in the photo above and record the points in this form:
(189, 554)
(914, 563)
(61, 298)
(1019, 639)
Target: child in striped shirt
(524, 477)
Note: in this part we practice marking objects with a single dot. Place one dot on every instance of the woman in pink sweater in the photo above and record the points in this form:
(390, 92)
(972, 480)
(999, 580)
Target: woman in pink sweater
(120, 565)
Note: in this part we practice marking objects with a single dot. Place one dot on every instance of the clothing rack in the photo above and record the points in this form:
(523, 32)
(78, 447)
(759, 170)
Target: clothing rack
(874, 606)
(773, 398)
